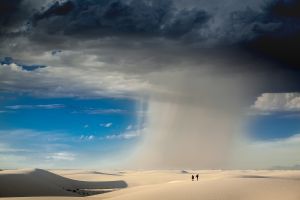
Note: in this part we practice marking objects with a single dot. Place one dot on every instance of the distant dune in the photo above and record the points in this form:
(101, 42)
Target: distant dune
(150, 185)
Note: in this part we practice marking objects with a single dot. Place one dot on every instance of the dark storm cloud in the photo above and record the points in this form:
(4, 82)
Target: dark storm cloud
(14, 14)
(57, 8)
(273, 33)
(9, 10)
(139, 37)
(119, 17)
(268, 33)
(201, 22)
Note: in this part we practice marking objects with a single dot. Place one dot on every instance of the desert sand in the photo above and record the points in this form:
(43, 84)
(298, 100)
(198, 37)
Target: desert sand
(143, 185)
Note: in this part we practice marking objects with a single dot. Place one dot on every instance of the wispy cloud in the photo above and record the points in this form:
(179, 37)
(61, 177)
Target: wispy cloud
(129, 127)
(59, 156)
(86, 126)
(124, 136)
(5, 148)
(33, 147)
(87, 137)
(30, 134)
(104, 111)
(41, 106)
(106, 125)
(96, 111)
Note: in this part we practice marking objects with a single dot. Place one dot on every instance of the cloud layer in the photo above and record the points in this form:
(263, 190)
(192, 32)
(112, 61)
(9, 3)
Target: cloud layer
(278, 102)
(109, 18)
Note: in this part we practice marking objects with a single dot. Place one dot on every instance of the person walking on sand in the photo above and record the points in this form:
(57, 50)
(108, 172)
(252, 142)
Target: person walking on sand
(197, 177)
(192, 177)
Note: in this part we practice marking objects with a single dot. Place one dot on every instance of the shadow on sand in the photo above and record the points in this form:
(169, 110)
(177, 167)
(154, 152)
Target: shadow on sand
(253, 176)
(40, 182)
(270, 177)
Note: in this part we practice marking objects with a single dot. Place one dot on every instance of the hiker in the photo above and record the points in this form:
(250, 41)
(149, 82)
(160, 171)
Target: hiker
(192, 177)
(197, 176)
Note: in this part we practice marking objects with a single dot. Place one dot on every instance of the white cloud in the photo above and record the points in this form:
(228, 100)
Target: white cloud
(5, 148)
(42, 106)
(129, 127)
(91, 137)
(126, 135)
(61, 156)
(87, 137)
(50, 106)
(13, 67)
(28, 134)
(107, 125)
(277, 102)
(104, 111)
(63, 81)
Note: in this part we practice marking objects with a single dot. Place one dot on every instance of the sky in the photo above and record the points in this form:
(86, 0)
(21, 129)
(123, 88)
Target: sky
(149, 84)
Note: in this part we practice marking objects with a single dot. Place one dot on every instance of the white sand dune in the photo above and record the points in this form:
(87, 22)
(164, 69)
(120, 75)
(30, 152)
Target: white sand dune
(146, 185)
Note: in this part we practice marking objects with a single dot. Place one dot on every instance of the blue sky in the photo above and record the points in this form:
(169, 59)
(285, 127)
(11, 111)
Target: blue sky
(79, 116)
(67, 130)
(277, 125)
